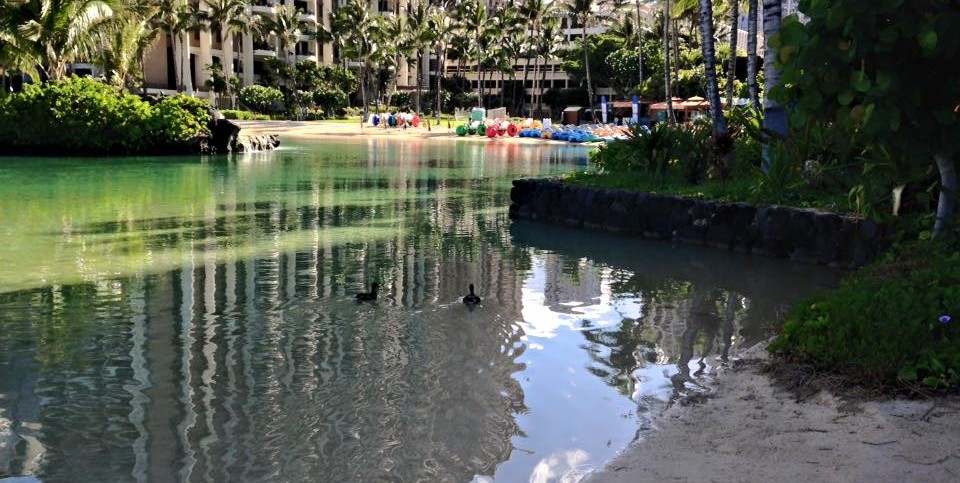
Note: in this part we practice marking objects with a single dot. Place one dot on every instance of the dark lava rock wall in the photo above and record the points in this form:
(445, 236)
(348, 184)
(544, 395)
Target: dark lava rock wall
(799, 234)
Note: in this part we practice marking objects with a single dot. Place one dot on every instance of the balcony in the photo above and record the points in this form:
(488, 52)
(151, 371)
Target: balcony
(302, 57)
(307, 17)
(262, 6)
(264, 52)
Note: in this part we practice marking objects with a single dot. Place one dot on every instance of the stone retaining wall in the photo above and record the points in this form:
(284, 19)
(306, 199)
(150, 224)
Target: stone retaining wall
(803, 235)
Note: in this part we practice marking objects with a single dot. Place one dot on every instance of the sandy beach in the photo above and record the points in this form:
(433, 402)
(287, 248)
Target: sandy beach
(331, 130)
(747, 430)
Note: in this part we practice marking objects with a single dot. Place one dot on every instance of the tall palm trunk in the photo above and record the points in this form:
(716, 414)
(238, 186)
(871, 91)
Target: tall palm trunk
(732, 66)
(502, 84)
(586, 65)
(523, 89)
(639, 53)
(676, 50)
(441, 70)
(543, 79)
(710, 66)
(666, 61)
(948, 189)
(533, 90)
(752, 53)
(774, 117)
(419, 79)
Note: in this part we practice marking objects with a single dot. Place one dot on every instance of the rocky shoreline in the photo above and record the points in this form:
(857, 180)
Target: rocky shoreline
(783, 232)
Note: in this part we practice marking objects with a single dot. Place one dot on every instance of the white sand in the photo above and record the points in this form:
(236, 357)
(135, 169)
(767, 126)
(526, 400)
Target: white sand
(752, 432)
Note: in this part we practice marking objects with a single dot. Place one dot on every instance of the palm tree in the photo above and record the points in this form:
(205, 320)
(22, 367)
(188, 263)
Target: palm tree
(355, 29)
(226, 16)
(421, 36)
(125, 43)
(443, 26)
(585, 11)
(666, 61)
(774, 117)
(286, 27)
(174, 19)
(549, 42)
(398, 30)
(17, 54)
(710, 67)
(64, 31)
(534, 11)
(732, 66)
(752, 53)
(480, 26)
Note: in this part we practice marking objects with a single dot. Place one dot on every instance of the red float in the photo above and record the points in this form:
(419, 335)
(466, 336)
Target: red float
(491, 132)
(512, 130)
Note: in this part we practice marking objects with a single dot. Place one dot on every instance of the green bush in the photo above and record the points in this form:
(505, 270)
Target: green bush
(404, 100)
(76, 114)
(244, 115)
(663, 151)
(179, 119)
(330, 100)
(896, 319)
(260, 99)
(84, 116)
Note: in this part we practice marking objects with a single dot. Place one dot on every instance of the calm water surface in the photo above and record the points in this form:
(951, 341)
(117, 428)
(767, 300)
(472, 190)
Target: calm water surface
(192, 319)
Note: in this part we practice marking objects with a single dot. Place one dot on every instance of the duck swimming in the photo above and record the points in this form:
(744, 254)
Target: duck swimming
(471, 299)
(371, 295)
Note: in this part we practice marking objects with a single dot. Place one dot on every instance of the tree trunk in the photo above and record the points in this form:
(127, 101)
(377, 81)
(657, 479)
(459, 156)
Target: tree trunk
(676, 51)
(419, 78)
(710, 66)
(639, 53)
(440, 73)
(177, 63)
(533, 82)
(523, 89)
(732, 66)
(666, 61)
(543, 79)
(948, 190)
(586, 65)
(363, 92)
(752, 53)
(228, 51)
(774, 117)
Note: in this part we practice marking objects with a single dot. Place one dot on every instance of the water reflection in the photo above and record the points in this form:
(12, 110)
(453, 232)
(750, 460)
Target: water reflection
(196, 323)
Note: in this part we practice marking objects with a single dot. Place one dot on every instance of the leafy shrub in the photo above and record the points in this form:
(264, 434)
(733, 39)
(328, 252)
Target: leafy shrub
(260, 99)
(179, 119)
(88, 115)
(895, 319)
(330, 100)
(662, 150)
(403, 100)
(244, 115)
(83, 116)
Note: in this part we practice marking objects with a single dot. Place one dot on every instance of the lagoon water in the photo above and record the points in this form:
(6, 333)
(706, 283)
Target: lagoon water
(192, 319)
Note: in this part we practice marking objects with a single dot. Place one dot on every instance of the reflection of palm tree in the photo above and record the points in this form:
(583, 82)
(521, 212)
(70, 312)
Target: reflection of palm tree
(703, 319)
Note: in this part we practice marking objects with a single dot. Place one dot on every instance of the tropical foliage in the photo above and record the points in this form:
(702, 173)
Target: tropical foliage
(94, 118)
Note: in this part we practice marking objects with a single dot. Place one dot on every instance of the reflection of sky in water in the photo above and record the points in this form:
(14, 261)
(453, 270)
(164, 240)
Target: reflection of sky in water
(584, 432)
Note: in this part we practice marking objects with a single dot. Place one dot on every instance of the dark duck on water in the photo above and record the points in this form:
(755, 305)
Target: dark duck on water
(471, 299)
(371, 295)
